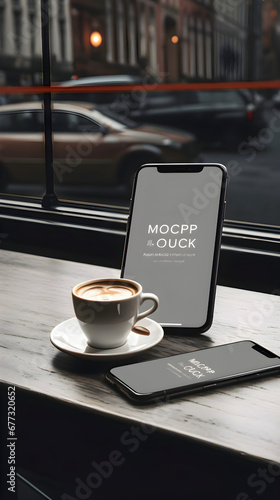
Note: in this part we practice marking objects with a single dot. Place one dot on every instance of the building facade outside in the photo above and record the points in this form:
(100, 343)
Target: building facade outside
(20, 41)
(170, 40)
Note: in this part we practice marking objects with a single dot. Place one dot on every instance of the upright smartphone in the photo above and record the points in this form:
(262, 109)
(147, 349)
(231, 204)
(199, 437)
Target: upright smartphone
(173, 240)
(197, 370)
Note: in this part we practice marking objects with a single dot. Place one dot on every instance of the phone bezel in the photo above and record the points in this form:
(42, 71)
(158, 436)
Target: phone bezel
(187, 167)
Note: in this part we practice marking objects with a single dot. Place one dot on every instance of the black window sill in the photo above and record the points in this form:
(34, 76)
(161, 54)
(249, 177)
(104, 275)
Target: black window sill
(249, 259)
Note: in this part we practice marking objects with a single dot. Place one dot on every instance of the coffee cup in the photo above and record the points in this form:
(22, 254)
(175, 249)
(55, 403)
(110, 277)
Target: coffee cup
(107, 309)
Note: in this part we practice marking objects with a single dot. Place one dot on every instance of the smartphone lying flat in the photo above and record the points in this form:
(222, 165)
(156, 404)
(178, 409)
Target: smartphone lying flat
(182, 374)
(173, 240)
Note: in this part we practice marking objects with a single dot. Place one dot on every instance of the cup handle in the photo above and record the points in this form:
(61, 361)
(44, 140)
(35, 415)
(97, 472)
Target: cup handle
(148, 296)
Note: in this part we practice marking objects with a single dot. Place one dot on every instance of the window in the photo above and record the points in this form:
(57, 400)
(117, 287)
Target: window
(109, 30)
(130, 77)
(208, 49)
(62, 38)
(152, 42)
(228, 96)
(185, 46)
(6, 123)
(192, 48)
(73, 123)
(1, 28)
(120, 32)
(132, 35)
(20, 123)
(32, 37)
(160, 100)
(24, 122)
(17, 30)
(142, 31)
(200, 48)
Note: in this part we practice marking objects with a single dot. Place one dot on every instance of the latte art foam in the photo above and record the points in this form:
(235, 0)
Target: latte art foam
(105, 292)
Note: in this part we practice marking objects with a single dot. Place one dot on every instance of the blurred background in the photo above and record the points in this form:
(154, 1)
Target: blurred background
(135, 81)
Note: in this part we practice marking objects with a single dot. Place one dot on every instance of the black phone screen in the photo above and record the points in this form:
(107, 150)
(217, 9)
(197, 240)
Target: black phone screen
(190, 371)
(173, 239)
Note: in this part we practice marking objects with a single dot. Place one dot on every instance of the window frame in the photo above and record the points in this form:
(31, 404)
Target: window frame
(249, 256)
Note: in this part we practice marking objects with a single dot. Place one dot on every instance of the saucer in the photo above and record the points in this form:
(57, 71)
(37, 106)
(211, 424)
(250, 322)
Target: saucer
(69, 338)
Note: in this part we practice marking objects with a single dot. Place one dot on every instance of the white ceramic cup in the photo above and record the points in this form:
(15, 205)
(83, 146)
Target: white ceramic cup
(107, 309)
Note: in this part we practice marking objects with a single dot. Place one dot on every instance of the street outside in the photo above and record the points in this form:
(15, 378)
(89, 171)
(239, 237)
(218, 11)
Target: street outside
(254, 175)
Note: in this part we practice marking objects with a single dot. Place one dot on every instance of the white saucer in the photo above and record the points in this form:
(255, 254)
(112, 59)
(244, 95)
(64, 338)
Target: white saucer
(69, 338)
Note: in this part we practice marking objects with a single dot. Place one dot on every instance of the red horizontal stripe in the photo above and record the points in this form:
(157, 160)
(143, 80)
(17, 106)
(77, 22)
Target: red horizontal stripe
(57, 89)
